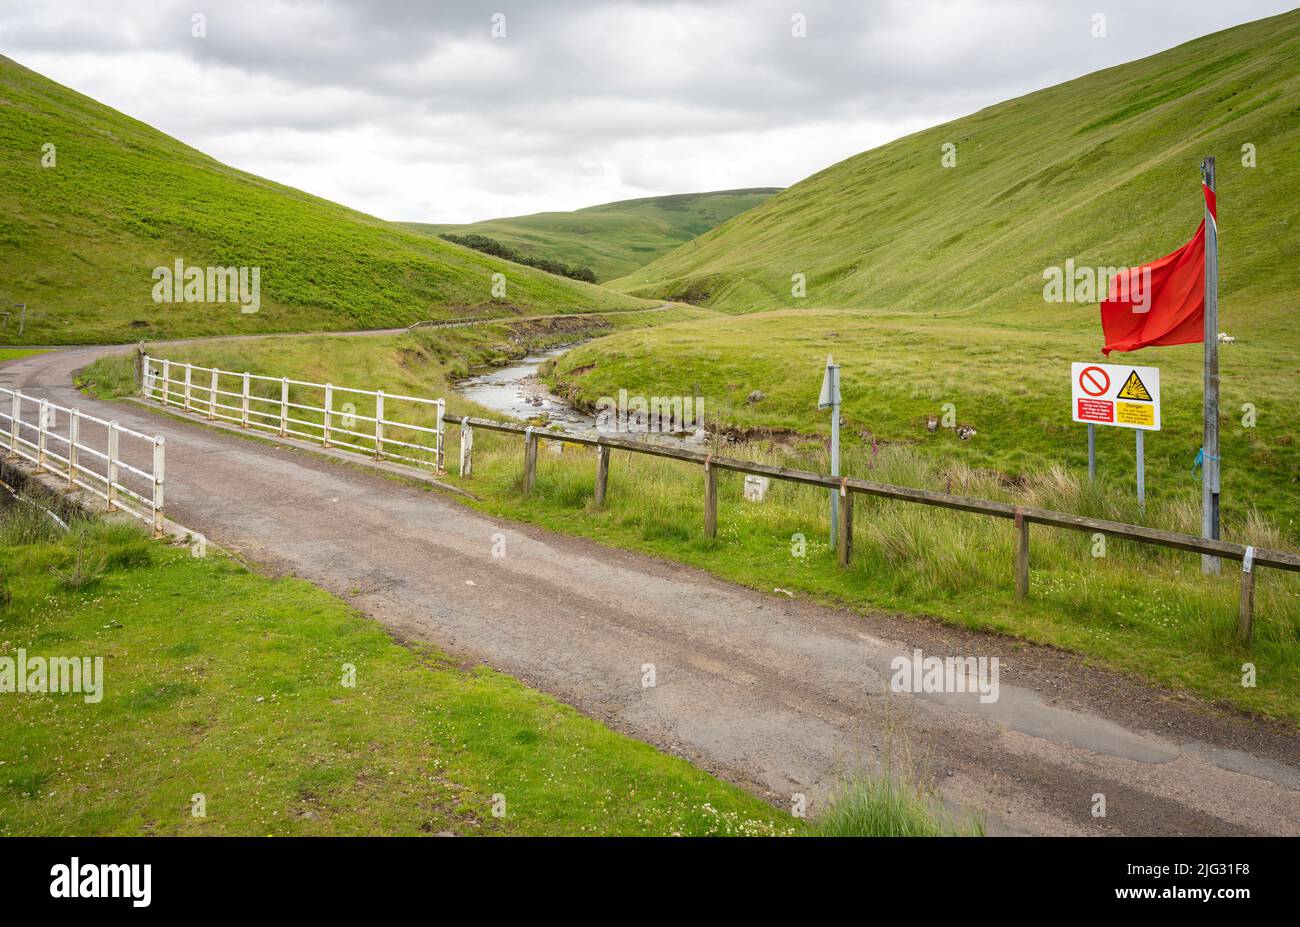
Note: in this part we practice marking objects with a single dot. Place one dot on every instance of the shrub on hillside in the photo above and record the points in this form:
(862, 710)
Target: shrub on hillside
(497, 249)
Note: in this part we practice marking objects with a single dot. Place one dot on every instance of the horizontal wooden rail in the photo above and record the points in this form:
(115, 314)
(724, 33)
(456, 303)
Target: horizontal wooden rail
(1277, 559)
(1022, 516)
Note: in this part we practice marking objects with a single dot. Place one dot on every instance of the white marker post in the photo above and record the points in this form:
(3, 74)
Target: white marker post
(830, 399)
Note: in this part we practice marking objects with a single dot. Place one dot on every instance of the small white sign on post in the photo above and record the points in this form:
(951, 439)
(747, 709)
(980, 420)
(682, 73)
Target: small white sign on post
(830, 394)
(1115, 394)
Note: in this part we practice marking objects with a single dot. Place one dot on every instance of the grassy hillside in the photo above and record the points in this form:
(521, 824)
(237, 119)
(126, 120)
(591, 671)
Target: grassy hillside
(615, 238)
(1102, 169)
(79, 239)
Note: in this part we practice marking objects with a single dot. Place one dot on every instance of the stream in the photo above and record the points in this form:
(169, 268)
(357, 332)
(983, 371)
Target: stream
(516, 392)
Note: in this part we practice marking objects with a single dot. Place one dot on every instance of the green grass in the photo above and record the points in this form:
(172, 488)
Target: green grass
(79, 240)
(221, 682)
(612, 239)
(8, 354)
(1139, 609)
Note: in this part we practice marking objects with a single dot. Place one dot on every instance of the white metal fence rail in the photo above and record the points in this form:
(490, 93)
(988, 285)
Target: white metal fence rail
(396, 427)
(88, 452)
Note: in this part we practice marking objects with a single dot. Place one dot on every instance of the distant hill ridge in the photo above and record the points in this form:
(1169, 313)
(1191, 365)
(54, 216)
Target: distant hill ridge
(613, 238)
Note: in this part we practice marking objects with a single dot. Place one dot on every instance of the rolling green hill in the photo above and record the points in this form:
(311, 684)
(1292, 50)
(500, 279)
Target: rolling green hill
(615, 238)
(80, 239)
(927, 282)
(1102, 169)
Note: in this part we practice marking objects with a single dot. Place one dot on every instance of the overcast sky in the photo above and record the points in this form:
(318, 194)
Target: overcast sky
(415, 111)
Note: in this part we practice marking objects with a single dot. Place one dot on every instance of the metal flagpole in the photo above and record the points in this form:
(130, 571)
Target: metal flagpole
(1210, 441)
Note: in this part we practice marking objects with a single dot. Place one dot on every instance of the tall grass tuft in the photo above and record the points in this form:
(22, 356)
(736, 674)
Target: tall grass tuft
(883, 807)
(86, 569)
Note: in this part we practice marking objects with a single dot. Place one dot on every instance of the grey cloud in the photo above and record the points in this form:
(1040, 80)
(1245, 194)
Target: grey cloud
(574, 84)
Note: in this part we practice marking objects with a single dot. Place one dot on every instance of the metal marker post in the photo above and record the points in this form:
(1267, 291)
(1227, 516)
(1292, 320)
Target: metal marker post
(830, 398)
(835, 449)
(1210, 442)
(1141, 471)
(1092, 453)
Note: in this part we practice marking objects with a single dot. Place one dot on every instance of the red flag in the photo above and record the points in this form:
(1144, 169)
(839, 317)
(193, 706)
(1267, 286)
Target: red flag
(1162, 302)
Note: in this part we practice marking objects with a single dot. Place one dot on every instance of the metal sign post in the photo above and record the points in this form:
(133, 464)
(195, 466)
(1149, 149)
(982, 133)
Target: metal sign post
(1141, 471)
(830, 399)
(1210, 441)
(1092, 452)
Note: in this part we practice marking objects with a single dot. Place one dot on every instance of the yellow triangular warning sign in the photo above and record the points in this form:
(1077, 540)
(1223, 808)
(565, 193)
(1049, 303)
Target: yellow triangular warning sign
(1134, 389)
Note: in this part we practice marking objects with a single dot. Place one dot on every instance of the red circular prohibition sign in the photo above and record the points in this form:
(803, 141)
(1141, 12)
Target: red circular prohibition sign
(1094, 381)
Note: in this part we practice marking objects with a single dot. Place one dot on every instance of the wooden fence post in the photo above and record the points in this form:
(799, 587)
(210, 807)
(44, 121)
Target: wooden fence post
(329, 408)
(15, 419)
(42, 431)
(602, 473)
(440, 452)
(530, 459)
(845, 540)
(110, 470)
(158, 476)
(466, 448)
(710, 498)
(139, 367)
(1246, 611)
(1022, 555)
(284, 406)
(74, 455)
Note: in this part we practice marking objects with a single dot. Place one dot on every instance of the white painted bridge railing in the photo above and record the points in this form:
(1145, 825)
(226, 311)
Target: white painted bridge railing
(88, 452)
(407, 428)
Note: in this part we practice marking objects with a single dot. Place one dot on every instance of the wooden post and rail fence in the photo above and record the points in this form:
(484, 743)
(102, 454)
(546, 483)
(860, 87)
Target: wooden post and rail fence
(157, 381)
(1021, 516)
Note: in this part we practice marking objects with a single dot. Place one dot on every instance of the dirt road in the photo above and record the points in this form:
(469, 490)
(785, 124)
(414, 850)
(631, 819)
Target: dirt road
(770, 692)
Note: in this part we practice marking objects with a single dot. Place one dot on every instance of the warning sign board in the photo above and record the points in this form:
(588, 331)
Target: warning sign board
(1114, 394)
